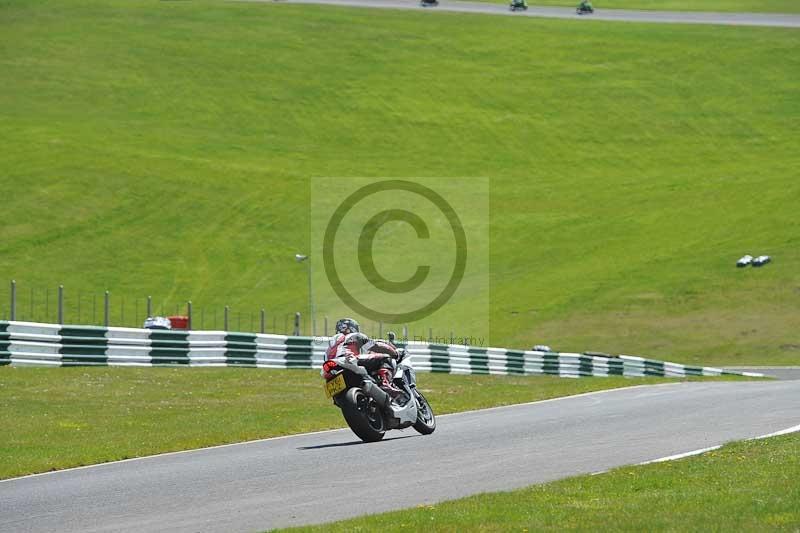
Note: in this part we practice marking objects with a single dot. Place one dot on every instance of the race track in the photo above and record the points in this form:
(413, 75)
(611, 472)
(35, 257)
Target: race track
(295, 480)
(777, 372)
(617, 15)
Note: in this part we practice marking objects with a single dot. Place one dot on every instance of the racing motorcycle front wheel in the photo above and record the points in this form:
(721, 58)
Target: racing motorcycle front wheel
(363, 415)
(426, 421)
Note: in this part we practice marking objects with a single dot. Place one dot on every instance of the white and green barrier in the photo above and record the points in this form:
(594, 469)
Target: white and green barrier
(35, 344)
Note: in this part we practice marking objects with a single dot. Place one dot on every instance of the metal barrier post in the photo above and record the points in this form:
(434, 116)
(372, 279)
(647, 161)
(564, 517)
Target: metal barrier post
(263, 321)
(13, 300)
(226, 318)
(60, 304)
(149, 306)
(189, 314)
(106, 310)
(297, 324)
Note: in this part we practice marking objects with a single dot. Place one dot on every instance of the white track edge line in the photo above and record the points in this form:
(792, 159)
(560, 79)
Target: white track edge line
(548, 400)
(680, 455)
(793, 429)
(144, 457)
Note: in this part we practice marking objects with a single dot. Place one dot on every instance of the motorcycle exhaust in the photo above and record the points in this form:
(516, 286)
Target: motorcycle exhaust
(376, 393)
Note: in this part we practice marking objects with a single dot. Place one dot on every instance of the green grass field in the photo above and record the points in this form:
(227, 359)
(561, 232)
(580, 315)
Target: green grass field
(745, 486)
(165, 148)
(62, 417)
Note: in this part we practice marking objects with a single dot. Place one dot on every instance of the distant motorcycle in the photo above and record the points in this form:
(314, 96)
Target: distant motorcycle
(429, 3)
(584, 10)
(518, 5)
(368, 409)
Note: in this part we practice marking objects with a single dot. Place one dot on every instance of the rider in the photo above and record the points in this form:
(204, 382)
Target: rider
(374, 355)
(586, 6)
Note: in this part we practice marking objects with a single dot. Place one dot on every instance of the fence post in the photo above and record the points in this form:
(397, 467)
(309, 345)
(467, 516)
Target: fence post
(325, 331)
(149, 306)
(297, 324)
(226, 318)
(263, 320)
(106, 313)
(13, 299)
(189, 314)
(60, 304)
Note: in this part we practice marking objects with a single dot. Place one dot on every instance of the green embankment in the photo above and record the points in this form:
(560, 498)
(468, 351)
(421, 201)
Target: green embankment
(745, 486)
(165, 148)
(62, 417)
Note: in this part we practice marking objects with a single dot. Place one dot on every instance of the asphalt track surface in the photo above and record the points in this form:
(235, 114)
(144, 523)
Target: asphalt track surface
(617, 15)
(300, 479)
(777, 372)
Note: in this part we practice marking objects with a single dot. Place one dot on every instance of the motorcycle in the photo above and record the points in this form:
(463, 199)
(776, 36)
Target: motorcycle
(429, 3)
(517, 5)
(584, 10)
(369, 410)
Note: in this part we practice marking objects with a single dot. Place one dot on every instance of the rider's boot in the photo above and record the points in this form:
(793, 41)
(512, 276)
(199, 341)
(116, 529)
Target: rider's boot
(386, 383)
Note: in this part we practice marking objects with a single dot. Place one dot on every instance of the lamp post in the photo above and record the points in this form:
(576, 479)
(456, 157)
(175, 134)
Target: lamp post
(300, 258)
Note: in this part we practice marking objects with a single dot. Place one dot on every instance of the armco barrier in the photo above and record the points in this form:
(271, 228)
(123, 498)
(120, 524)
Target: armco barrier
(35, 344)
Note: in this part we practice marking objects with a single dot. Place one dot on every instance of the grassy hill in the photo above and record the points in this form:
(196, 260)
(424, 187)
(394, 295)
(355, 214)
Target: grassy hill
(166, 148)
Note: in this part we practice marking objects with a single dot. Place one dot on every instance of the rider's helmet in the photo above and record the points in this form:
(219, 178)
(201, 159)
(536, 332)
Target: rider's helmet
(346, 326)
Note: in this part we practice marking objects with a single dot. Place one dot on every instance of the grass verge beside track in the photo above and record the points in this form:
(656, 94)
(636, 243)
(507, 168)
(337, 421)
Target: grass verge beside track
(65, 417)
(166, 148)
(744, 486)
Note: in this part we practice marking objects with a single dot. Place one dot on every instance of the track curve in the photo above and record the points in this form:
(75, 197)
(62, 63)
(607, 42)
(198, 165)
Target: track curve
(614, 15)
(288, 481)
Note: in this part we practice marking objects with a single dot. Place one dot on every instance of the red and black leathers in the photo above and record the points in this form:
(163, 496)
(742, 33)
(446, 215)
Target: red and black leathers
(374, 355)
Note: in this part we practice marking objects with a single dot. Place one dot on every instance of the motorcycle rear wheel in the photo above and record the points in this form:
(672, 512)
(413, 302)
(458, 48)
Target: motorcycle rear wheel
(363, 416)
(426, 421)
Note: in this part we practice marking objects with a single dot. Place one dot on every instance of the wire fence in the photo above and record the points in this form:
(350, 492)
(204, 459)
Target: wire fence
(59, 305)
